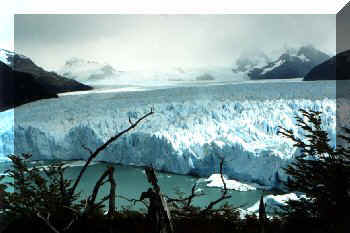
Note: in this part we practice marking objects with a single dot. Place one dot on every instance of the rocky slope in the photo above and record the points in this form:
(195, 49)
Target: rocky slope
(22, 81)
(336, 68)
(49, 80)
(293, 63)
(18, 88)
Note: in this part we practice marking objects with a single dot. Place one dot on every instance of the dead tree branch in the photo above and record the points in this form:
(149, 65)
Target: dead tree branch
(133, 200)
(98, 184)
(47, 221)
(113, 187)
(224, 194)
(87, 149)
(104, 146)
(158, 211)
(187, 200)
(111, 197)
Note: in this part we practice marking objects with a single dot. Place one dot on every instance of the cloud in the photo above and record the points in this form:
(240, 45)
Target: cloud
(162, 41)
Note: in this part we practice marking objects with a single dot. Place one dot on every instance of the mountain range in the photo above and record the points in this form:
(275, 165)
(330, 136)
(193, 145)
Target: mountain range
(87, 72)
(23, 81)
(292, 63)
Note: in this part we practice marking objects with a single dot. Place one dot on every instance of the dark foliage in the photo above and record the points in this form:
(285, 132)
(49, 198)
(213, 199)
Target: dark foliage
(322, 173)
(39, 192)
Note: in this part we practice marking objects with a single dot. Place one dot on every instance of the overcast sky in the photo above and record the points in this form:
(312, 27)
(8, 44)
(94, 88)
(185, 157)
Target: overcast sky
(163, 41)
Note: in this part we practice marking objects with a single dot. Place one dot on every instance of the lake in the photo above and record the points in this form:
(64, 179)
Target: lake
(132, 181)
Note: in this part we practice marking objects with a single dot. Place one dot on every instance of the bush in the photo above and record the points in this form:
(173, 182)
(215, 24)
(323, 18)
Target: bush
(39, 192)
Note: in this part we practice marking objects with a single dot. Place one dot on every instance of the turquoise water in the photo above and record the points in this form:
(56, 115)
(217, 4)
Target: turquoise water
(132, 181)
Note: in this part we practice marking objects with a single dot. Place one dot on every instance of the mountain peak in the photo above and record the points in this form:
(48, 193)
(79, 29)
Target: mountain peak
(86, 71)
(292, 63)
(250, 59)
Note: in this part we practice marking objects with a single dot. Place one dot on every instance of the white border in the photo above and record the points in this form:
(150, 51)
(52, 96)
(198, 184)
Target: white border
(181, 6)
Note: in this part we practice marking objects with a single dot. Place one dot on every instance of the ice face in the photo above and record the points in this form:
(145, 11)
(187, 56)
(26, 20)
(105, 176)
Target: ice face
(191, 130)
(6, 134)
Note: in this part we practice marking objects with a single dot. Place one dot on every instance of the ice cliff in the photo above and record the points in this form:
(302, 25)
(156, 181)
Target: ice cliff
(192, 128)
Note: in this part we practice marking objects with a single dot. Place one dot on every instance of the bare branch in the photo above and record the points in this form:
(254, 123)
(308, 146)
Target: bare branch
(98, 184)
(224, 194)
(101, 148)
(152, 178)
(46, 220)
(187, 200)
(102, 200)
(87, 149)
(133, 200)
(111, 210)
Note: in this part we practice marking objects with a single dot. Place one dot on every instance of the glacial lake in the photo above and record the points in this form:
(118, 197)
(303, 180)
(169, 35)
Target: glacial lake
(132, 181)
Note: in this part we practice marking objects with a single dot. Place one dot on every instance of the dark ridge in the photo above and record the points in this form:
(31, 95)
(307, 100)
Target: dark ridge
(336, 68)
(18, 88)
(51, 81)
(290, 66)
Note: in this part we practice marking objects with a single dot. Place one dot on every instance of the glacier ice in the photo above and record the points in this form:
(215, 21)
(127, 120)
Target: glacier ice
(6, 134)
(216, 181)
(273, 203)
(192, 128)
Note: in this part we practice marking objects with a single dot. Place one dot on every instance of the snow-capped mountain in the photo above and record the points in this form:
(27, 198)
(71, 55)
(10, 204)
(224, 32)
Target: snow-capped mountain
(51, 81)
(22, 81)
(293, 63)
(88, 71)
(336, 68)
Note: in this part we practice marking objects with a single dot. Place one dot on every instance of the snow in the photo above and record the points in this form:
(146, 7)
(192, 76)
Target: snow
(303, 58)
(273, 203)
(5, 55)
(216, 181)
(193, 126)
(277, 64)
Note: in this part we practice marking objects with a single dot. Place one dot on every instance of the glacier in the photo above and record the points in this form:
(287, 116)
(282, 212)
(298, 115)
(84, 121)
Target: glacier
(192, 129)
(6, 134)
(215, 180)
(274, 203)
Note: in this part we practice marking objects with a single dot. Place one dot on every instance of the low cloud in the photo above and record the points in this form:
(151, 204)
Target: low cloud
(165, 41)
